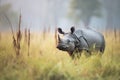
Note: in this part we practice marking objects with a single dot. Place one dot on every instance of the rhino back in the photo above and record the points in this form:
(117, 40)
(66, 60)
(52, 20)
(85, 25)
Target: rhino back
(92, 37)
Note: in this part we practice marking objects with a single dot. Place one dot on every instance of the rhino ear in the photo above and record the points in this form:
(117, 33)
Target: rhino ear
(60, 31)
(72, 29)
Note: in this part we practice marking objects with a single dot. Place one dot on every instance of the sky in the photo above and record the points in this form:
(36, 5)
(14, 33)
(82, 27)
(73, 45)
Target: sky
(38, 14)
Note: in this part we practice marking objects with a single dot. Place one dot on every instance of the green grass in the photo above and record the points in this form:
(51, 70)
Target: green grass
(47, 63)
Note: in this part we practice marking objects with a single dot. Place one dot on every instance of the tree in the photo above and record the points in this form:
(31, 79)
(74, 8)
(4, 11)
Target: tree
(5, 10)
(112, 8)
(84, 10)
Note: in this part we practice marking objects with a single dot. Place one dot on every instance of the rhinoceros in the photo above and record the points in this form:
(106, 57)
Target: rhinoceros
(79, 40)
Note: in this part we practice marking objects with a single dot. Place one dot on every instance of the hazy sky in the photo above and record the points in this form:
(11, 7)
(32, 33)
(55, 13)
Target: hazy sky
(36, 13)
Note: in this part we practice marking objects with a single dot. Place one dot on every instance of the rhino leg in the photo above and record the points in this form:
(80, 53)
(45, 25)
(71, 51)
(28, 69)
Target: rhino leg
(88, 52)
(102, 50)
(70, 53)
(75, 54)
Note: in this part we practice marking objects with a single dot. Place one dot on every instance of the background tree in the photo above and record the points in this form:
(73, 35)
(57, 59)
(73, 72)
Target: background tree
(112, 8)
(5, 10)
(84, 10)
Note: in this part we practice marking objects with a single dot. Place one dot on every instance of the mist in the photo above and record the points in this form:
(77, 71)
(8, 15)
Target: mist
(39, 14)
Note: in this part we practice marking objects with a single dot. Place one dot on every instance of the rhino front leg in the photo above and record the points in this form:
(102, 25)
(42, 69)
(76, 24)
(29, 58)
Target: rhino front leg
(72, 54)
(88, 51)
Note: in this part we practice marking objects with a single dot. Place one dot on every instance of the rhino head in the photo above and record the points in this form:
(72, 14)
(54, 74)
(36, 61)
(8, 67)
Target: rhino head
(66, 43)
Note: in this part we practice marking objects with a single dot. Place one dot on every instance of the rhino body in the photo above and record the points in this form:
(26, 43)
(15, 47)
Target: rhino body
(81, 39)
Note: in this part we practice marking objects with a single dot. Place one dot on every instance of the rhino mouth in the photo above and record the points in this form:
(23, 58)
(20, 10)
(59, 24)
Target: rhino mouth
(63, 48)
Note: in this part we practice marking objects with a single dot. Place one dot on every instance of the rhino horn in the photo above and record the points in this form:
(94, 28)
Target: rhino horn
(59, 38)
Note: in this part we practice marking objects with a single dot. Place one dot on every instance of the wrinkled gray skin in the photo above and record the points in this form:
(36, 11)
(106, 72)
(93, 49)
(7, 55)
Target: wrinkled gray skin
(82, 39)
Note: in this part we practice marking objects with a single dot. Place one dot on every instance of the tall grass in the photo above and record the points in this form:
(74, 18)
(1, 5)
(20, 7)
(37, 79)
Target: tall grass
(45, 62)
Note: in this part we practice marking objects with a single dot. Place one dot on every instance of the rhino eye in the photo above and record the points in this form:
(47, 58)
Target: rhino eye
(68, 41)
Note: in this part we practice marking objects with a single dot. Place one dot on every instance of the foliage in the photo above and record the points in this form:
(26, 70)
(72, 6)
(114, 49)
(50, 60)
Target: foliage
(45, 62)
(5, 10)
(84, 9)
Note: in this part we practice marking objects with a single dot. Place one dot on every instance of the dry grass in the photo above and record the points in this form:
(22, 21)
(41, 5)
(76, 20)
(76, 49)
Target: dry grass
(45, 62)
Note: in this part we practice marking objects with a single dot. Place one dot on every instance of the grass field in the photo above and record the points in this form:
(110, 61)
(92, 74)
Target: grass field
(45, 62)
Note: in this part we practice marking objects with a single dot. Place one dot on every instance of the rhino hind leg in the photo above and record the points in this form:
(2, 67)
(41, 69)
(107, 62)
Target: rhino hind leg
(102, 49)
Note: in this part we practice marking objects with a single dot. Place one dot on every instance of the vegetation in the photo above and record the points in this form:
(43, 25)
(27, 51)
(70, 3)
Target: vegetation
(45, 62)
(112, 17)
(25, 55)
(84, 10)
